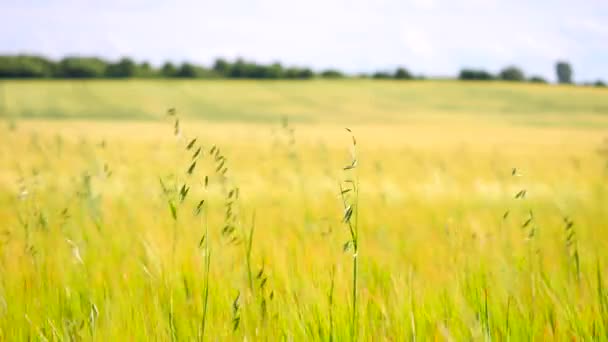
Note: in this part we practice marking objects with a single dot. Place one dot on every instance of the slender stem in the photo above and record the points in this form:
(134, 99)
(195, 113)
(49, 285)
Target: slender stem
(355, 241)
(249, 247)
(206, 294)
(354, 317)
(174, 242)
(207, 270)
(351, 210)
(172, 319)
(355, 262)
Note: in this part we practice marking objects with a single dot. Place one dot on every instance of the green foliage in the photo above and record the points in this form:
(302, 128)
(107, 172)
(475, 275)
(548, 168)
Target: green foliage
(399, 74)
(250, 70)
(275, 71)
(81, 67)
(145, 70)
(186, 70)
(473, 74)
(25, 67)
(221, 66)
(299, 73)
(564, 72)
(33, 66)
(382, 75)
(537, 79)
(512, 73)
(332, 73)
(403, 74)
(123, 68)
(168, 70)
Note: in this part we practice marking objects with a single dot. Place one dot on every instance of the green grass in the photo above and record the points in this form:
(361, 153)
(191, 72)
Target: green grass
(305, 101)
(448, 247)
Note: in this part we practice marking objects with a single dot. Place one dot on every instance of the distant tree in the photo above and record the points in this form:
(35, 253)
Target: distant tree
(186, 70)
(381, 75)
(512, 73)
(291, 73)
(81, 67)
(275, 71)
(123, 68)
(25, 66)
(202, 72)
(245, 69)
(259, 71)
(564, 72)
(332, 73)
(145, 70)
(238, 69)
(403, 74)
(298, 73)
(599, 84)
(221, 67)
(145, 66)
(305, 73)
(537, 79)
(472, 74)
(168, 70)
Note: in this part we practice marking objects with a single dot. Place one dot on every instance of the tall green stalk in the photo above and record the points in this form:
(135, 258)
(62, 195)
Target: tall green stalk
(351, 208)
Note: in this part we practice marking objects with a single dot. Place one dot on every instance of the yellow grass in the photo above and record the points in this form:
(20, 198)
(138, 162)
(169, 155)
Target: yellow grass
(87, 237)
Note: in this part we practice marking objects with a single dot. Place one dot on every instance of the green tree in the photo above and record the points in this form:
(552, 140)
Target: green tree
(238, 69)
(123, 68)
(25, 66)
(537, 79)
(145, 70)
(473, 74)
(221, 67)
(564, 72)
(275, 71)
(298, 73)
(332, 73)
(168, 70)
(403, 74)
(186, 70)
(81, 67)
(512, 73)
(381, 75)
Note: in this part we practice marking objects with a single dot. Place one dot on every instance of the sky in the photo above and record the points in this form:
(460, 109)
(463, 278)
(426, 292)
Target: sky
(430, 37)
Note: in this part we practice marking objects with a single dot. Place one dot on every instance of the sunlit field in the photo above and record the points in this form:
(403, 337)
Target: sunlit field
(472, 211)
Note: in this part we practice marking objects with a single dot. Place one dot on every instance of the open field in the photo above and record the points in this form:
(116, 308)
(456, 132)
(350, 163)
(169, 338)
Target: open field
(99, 240)
(340, 102)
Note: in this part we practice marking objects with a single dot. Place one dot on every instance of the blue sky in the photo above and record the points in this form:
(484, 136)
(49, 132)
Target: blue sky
(433, 37)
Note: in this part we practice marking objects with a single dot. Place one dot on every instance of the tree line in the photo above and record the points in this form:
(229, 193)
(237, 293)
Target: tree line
(563, 71)
(33, 66)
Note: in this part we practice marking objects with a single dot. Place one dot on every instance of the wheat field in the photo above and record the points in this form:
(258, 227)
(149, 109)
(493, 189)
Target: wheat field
(446, 211)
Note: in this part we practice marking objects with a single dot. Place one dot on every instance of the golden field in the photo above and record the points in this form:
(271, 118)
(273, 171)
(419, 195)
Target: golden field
(480, 211)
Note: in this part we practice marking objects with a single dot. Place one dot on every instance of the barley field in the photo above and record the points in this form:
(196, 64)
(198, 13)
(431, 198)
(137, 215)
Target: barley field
(322, 210)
